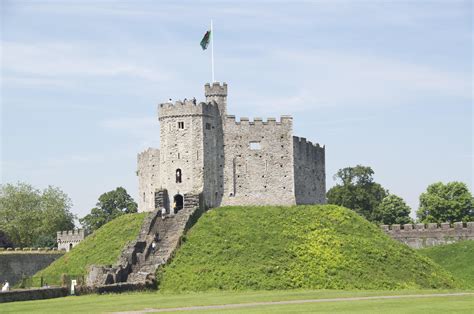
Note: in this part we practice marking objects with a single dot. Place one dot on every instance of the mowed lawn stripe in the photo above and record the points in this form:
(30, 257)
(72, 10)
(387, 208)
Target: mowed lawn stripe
(289, 302)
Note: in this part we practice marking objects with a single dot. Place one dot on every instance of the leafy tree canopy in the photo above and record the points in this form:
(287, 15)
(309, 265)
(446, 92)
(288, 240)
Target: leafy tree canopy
(357, 191)
(393, 210)
(28, 214)
(446, 202)
(111, 205)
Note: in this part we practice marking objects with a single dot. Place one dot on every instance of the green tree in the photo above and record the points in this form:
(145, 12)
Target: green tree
(357, 190)
(27, 214)
(449, 202)
(393, 210)
(111, 205)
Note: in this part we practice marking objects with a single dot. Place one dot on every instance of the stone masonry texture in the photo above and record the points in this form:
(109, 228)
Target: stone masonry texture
(420, 235)
(13, 266)
(68, 239)
(204, 151)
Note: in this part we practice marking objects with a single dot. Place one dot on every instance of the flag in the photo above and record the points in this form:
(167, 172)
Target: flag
(205, 40)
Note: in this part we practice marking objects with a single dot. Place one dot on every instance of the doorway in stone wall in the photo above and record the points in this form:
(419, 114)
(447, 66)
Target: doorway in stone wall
(70, 246)
(178, 201)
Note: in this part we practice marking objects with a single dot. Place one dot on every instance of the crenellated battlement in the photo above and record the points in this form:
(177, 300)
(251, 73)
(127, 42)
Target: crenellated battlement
(187, 108)
(307, 148)
(149, 152)
(469, 226)
(74, 232)
(215, 89)
(422, 235)
(284, 120)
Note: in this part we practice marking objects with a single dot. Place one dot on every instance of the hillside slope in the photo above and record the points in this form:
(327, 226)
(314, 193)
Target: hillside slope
(458, 258)
(103, 247)
(242, 248)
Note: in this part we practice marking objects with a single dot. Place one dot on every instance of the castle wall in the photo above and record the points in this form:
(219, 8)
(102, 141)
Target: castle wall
(309, 171)
(258, 167)
(15, 265)
(213, 151)
(420, 235)
(148, 172)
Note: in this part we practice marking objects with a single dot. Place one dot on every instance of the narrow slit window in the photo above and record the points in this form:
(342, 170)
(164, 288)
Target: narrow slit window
(208, 126)
(180, 125)
(178, 175)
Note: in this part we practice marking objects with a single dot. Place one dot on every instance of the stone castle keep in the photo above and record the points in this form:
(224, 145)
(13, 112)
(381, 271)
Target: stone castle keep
(203, 151)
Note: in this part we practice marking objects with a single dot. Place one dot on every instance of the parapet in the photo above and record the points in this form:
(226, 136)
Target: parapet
(432, 234)
(416, 228)
(149, 152)
(70, 235)
(284, 120)
(187, 108)
(302, 147)
(215, 89)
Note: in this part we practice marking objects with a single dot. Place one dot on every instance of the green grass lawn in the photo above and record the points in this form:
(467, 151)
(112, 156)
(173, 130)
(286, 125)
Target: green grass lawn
(457, 258)
(141, 301)
(103, 247)
(309, 247)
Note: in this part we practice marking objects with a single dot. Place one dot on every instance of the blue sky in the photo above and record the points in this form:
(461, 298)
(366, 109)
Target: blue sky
(380, 83)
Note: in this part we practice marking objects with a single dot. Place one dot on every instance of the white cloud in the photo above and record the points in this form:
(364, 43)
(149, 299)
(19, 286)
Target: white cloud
(145, 129)
(328, 78)
(57, 63)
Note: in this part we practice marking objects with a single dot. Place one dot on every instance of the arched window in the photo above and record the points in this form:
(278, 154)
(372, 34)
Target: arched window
(178, 175)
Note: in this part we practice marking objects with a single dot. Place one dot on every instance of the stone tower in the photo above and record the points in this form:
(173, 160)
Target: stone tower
(191, 150)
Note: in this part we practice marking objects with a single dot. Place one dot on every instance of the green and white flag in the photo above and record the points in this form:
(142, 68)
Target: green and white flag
(205, 40)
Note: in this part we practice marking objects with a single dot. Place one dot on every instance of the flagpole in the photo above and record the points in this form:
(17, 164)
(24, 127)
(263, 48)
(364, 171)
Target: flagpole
(212, 52)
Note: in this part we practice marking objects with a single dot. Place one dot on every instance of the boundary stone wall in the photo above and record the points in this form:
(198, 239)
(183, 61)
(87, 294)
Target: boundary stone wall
(33, 294)
(420, 235)
(15, 265)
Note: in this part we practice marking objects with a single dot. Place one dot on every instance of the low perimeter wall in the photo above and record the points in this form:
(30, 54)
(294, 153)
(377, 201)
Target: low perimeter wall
(32, 294)
(15, 265)
(420, 235)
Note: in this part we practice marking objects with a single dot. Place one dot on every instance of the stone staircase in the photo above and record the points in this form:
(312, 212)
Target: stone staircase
(138, 263)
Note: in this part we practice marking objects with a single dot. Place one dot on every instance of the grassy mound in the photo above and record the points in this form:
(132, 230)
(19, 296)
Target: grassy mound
(103, 247)
(329, 247)
(458, 258)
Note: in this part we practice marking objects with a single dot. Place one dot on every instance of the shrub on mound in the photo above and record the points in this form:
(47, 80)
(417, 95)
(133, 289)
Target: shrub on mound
(314, 247)
(458, 258)
(103, 247)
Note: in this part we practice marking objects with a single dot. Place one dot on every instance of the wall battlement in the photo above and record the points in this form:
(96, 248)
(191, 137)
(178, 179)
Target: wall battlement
(215, 89)
(259, 121)
(307, 148)
(187, 108)
(72, 233)
(148, 153)
(424, 235)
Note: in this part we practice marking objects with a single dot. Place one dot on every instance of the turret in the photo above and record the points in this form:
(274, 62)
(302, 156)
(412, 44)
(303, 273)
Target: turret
(217, 93)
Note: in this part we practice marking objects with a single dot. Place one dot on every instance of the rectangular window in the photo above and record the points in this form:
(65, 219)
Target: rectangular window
(208, 126)
(255, 145)
(180, 125)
